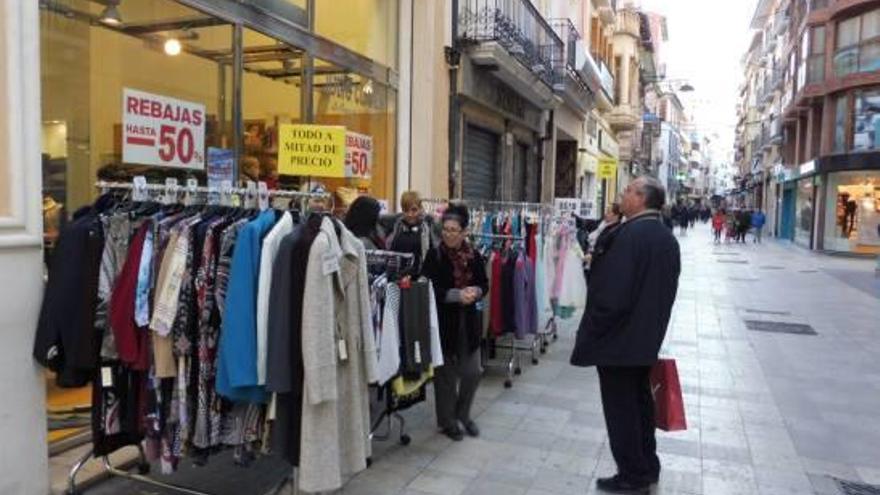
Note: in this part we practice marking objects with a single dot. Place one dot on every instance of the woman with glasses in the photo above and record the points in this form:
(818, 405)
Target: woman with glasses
(458, 273)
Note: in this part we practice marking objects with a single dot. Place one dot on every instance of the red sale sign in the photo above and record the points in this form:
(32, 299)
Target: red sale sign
(358, 155)
(158, 130)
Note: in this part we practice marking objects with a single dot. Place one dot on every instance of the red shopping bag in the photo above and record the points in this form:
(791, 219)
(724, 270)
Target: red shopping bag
(668, 402)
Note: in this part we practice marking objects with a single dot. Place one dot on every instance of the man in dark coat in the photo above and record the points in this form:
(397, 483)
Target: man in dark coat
(632, 287)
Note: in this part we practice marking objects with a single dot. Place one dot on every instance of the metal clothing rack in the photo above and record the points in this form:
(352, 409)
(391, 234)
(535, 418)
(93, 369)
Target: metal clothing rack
(140, 187)
(387, 413)
(514, 362)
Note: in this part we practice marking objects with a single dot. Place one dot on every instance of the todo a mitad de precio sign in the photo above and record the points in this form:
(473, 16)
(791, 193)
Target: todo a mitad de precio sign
(158, 130)
(311, 150)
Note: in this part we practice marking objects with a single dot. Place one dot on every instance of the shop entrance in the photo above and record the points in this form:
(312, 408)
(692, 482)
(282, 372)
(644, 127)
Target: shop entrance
(787, 215)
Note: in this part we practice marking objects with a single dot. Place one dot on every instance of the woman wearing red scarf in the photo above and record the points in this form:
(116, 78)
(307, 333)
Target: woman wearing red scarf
(458, 273)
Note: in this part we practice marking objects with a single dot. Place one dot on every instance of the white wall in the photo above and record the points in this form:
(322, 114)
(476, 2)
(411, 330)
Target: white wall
(23, 460)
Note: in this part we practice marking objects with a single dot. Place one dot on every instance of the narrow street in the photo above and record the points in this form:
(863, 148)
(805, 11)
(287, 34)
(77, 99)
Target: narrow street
(769, 413)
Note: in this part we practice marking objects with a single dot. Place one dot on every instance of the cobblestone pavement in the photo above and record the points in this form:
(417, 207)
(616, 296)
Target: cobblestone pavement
(769, 413)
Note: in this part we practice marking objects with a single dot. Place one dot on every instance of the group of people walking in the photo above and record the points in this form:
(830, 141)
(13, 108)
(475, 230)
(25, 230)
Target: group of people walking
(735, 224)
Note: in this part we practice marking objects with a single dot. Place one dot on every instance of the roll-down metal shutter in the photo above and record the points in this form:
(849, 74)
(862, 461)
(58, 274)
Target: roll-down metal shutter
(480, 161)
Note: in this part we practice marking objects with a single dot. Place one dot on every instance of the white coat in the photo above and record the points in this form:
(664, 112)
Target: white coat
(335, 428)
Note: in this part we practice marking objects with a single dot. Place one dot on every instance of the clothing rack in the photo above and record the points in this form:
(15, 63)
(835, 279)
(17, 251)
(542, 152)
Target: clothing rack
(387, 413)
(140, 186)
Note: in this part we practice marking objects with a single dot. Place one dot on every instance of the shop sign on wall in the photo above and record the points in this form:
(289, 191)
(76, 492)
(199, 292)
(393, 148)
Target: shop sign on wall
(358, 155)
(158, 130)
(311, 150)
(564, 207)
(607, 168)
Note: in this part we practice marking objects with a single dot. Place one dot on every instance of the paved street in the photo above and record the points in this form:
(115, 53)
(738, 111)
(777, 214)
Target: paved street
(769, 413)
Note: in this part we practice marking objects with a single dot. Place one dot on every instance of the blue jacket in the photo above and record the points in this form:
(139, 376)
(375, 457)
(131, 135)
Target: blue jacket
(758, 219)
(237, 353)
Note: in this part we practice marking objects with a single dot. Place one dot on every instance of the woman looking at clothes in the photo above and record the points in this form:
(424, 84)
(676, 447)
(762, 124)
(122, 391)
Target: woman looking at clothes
(362, 219)
(458, 273)
(412, 230)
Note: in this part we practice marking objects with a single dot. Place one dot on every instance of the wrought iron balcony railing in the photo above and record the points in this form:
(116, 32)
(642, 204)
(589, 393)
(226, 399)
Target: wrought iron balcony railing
(518, 27)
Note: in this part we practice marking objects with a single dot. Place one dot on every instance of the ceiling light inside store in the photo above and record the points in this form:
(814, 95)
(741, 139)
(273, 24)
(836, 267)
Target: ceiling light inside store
(110, 15)
(172, 47)
(368, 87)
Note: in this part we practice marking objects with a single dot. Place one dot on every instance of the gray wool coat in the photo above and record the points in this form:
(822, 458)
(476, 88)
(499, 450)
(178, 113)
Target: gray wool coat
(335, 440)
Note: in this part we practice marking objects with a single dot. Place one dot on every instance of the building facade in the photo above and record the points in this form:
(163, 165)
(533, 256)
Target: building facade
(827, 179)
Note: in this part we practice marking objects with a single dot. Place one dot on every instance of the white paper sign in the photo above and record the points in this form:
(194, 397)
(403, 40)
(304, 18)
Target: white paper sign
(157, 130)
(358, 155)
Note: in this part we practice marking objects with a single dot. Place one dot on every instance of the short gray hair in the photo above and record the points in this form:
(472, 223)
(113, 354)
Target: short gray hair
(653, 191)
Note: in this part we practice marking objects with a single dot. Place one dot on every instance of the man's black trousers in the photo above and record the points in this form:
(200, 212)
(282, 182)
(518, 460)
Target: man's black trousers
(629, 417)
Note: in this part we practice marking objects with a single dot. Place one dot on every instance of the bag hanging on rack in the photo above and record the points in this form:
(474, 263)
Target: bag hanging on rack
(668, 402)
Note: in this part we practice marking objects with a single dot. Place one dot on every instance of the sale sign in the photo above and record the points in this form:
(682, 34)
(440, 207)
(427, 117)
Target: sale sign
(158, 130)
(311, 150)
(358, 155)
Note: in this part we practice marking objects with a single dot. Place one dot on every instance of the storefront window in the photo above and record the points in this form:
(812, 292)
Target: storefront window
(368, 27)
(804, 212)
(86, 67)
(852, 212)
(271, 96)
(840, 111)
(867, 120)
(367, 110)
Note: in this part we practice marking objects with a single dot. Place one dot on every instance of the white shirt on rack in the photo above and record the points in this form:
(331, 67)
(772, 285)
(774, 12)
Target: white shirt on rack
(269, 251)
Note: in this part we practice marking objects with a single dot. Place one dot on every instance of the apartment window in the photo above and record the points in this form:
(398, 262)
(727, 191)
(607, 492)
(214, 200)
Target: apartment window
(618, 79)
(866, 132)
(816, 60)
(858, 44)
(802, 61)
(840, 109)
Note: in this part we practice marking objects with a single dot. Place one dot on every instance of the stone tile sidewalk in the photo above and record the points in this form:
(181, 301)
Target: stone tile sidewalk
(768, 413)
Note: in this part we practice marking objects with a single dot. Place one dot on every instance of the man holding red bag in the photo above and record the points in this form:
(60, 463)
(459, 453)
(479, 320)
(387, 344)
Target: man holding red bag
(632, 287)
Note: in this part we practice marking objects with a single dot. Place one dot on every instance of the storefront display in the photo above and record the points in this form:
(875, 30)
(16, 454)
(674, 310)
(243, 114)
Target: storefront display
(159, 91)
(852, 212)
(804, 209)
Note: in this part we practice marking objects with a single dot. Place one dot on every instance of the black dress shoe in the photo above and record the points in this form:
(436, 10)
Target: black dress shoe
(616, 484)
(471, 428)
(453, 432)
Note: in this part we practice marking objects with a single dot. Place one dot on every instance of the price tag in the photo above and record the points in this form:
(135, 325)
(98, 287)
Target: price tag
(106, 377)
(329, 263)
(262, 196)
(139, 189)
(170, 191)
(343, 350)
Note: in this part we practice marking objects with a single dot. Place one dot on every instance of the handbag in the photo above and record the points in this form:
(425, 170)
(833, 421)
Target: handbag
(669, 412)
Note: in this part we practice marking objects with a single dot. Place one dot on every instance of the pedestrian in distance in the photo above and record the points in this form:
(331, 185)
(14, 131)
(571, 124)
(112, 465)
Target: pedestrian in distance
(631, 290)
(718, 221)
(458, 273)
(758, 220)
(730, 227)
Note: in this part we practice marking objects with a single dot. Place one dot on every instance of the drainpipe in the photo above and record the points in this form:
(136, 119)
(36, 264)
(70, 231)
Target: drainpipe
(453, 58)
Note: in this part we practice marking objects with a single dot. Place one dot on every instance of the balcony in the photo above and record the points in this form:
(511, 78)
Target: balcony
(607, 10)
(512, 39)
(570, 71)
(782, 23)
(629, 22)
(624, 118)
(775, 137)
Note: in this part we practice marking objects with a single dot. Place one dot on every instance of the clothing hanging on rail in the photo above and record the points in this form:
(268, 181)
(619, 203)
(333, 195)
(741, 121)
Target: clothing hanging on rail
(187, 318)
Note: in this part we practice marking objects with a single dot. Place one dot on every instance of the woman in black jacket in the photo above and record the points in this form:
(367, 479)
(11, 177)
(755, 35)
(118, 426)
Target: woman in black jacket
(458, 273)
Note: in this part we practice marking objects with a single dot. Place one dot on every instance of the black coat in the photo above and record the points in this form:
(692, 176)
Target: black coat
(67, 340)
(438, 268)
(631, 290)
